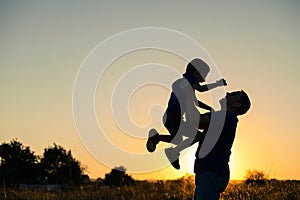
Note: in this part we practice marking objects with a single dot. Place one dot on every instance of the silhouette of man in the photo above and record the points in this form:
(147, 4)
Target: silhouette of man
(212, 170)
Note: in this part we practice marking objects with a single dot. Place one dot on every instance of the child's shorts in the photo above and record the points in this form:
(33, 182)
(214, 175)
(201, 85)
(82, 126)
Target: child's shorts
(177, 127)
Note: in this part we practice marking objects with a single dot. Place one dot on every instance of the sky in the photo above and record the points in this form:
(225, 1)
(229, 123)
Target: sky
(45, 45)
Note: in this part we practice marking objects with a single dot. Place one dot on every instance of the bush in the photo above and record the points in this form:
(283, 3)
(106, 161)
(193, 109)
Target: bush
(256, 177)
(118, 177)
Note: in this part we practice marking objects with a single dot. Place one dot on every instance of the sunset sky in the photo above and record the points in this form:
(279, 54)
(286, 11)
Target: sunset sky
(255, 46)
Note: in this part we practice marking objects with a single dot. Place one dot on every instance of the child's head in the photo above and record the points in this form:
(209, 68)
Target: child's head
(198, 68)
(238, 102)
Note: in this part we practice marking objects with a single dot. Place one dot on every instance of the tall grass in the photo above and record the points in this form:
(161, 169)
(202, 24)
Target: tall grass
(270, 190)
(180, 189)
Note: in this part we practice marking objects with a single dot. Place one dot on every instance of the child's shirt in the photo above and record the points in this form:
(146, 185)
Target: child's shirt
(182, 100)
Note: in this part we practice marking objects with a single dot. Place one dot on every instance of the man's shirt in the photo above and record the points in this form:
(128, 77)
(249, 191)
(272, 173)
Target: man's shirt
(217, 159)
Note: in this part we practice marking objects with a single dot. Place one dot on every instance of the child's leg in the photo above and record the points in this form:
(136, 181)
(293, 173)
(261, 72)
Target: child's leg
(154, 138)
(165, 138)
(174, 153)
(172, 123)
(189, 142)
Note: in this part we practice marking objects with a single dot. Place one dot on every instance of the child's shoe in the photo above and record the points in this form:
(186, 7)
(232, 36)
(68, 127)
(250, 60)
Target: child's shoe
(173, 157)
(152, 140)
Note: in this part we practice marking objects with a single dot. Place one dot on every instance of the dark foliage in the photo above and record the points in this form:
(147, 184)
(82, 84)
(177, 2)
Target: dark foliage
(59, 166)
(118, 177)
(256, 177)
(18, 164)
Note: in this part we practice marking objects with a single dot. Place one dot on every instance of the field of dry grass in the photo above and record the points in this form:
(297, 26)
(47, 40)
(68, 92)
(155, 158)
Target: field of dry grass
(181, 189)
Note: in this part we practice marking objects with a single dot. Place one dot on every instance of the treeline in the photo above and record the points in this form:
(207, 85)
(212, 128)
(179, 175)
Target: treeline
(19, 165)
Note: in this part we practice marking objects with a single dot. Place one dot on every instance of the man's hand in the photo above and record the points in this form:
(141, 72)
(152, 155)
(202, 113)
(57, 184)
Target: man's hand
(221, 82)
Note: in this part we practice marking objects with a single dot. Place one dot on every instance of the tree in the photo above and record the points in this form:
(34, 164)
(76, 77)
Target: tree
(256, 176)
(18, 164)
(59, 166)
(118, 177)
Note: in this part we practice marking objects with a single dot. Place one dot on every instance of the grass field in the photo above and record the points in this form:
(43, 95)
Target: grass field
(182, 189)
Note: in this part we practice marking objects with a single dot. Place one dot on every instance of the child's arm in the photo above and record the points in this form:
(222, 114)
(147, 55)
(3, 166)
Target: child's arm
(200, 104)
(204, 88)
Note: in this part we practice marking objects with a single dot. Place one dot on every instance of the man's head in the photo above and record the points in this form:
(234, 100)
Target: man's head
(237, 102)
(198, 68)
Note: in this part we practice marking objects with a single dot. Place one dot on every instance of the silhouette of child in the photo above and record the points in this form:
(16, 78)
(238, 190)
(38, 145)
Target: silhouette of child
(182, 104)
